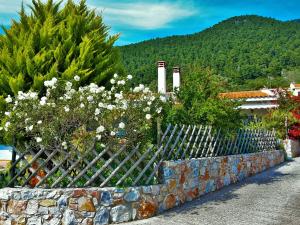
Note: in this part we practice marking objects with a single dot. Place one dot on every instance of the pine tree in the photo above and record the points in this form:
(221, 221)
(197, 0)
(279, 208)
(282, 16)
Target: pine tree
(56, 41)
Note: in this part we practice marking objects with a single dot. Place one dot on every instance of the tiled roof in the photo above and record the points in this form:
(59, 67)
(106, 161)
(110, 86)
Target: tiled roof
(244, 94)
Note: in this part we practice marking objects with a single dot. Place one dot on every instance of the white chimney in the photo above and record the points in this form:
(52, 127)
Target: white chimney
(176, 78)
(162, 77)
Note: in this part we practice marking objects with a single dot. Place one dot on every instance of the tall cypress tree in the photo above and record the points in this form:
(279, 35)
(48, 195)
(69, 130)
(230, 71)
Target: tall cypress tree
(56, 41)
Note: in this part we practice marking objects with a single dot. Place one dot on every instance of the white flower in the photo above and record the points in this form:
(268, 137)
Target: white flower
(121, 125)
(7, 113)
(112, 81)
(148, 116)
(146, 90)
(147, 109)
(7, 124)
(112, 133)
(141, 86)
(102, 145)
(77, 78)
(129, 77)
(29, 128)
(38, 139)
(43, 100)
(115, 75)
(149, 103)
(39, 122)
(1, 128)
(67, 109)
(8, 99)
(101, 105)
(110, 107)
(159, 110)
(118, 96)
(68, 86)
(163, 98)
(97, 112)
(136, 89)
(121, 82)
(100, 129)
(33, 95)
(90, 98)
(64, 144)
(50, 83)
(81, 105)
(98, 136)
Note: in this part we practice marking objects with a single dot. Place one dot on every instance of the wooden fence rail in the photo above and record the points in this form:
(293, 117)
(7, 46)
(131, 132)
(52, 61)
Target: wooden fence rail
(130, 166)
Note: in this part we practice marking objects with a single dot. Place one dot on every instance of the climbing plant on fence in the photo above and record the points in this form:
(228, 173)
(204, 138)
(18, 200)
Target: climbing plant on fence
(122, 165)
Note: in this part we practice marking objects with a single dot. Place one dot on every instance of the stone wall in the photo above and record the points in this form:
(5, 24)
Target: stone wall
(181, 181)
(292, 148)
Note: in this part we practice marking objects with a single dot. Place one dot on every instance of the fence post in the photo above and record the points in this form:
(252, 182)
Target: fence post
(158, 131)
(13, 167)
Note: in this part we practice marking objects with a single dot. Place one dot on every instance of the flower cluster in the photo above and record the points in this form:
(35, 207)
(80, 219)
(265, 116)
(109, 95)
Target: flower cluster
(68, 117)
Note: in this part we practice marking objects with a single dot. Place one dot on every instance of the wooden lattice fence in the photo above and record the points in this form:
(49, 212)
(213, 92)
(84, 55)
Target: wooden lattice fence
(131, 166)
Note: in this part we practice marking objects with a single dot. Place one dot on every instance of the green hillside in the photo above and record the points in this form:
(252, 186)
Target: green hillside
(241, 48)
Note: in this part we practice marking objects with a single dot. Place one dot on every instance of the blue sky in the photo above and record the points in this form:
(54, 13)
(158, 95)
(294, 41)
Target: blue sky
(138, 20)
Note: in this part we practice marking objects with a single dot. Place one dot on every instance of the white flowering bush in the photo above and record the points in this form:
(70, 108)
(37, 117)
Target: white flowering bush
(72, 117)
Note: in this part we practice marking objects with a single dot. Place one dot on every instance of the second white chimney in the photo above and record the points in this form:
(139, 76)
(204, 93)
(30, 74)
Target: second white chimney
(176, 78)
(162, 77)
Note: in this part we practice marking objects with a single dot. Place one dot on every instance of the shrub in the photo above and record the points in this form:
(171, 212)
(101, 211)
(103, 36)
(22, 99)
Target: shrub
(69, 116)
(199, 102)
(56, 41)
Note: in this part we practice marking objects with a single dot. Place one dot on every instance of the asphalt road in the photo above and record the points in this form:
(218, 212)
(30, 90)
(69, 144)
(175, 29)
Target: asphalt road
(272, 197)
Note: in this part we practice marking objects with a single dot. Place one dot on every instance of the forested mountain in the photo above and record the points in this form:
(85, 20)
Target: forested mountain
(241, 48)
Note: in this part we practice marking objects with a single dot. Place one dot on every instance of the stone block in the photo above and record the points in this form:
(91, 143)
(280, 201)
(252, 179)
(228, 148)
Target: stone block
(132, 196)
(147, 208)
(86, 204)
(106, 198)
(169, 201)
(32, 207)
(47, 203)
(101, 217)
(16, 207)
(69, 218)
(43, 210)
(62, 202)
(172, 185)
(79, 193)
(120, 213)
(34, 221)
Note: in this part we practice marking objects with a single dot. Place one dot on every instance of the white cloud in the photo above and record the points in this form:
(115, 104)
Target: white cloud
(144, 15)
(12, 6)
(141, 14)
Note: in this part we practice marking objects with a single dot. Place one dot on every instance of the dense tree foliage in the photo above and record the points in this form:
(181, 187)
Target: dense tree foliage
(56, 41)
(240, 48)
(199, 102)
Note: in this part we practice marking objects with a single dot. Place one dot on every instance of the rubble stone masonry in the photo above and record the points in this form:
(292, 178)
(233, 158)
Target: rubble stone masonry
(181, 181)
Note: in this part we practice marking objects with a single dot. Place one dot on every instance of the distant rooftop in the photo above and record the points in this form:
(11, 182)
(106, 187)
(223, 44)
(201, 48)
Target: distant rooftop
(246, 94)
